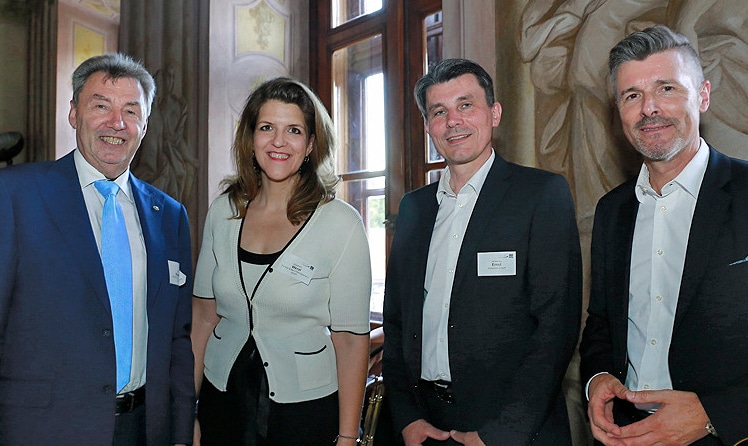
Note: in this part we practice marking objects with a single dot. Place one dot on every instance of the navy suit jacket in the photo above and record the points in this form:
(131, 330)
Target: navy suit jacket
(57, 361)
(510, 337)
(709, 349)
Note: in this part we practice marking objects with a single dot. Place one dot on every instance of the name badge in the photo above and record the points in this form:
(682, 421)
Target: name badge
(502, 263)
(297, 268)
(176, 276)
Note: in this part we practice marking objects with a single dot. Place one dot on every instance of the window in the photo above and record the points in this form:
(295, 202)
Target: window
(368, 55)
(434, 37)
(343, 11)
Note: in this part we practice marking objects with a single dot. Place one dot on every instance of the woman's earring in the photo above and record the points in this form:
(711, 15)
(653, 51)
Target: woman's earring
(304, 163)
(255, 164)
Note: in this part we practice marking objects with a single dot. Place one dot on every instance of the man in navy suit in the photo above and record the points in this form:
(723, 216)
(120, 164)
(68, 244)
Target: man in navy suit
(665, 345)
(57, 350)
(483, 292)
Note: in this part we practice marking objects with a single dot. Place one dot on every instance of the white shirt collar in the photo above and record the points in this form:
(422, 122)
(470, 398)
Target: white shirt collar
(87, 174)
(475, 182)
(689, 179)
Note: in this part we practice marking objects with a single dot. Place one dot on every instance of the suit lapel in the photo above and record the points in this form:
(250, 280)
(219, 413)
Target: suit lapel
(623, 228)
(150, 212)
(708, 219)
(486, 209)
(68, 212)
(427, 210)
(414, 227)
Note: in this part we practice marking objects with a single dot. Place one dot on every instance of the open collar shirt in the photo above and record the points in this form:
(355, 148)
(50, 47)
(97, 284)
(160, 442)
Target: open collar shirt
(452, 218)
(658, 255)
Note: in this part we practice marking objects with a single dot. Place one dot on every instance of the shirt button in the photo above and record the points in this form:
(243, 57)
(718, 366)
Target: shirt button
(441, 339)
(265, 364)
(659, 298)
(653, 341)
(645, 387)
(659, 252)
(663, 208)
(272, 393)
(460, 205)
(107, 333)
(454, 235)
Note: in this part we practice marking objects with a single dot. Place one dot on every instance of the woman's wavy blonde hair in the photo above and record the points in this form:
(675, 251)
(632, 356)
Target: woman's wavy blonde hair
(317, 176)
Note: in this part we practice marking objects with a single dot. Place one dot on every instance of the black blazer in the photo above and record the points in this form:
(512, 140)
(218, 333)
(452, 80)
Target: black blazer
(510, 337)
(709, 349)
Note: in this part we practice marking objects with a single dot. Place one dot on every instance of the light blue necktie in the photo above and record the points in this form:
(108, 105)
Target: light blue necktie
(117, 261)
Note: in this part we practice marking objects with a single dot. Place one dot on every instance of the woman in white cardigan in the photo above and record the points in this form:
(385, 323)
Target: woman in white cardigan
(281, 298)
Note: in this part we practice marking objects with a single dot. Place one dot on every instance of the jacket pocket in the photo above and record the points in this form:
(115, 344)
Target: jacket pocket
(313, 368)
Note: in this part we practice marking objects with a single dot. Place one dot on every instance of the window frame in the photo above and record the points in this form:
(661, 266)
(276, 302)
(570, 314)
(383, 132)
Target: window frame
(400, 23)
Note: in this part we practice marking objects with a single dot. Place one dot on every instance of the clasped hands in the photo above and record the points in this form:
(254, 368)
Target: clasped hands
(680, 419)
(418, 431)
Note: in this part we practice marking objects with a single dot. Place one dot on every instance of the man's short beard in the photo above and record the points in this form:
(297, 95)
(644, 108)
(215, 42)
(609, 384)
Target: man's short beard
(658, 152)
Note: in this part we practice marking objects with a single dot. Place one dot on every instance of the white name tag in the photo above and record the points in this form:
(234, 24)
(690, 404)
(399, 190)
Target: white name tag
(503, 263)
(176, 277)
(297, 268)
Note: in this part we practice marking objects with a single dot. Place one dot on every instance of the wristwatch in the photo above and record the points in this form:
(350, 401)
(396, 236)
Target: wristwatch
(709, 428)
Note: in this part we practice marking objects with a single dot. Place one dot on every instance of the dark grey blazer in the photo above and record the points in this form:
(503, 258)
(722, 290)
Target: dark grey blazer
(510, 337)
(709, 349)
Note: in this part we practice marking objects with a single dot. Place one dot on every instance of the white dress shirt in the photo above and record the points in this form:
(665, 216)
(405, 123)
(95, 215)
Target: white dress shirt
(451, 222)
(658, 254)
(87, 175)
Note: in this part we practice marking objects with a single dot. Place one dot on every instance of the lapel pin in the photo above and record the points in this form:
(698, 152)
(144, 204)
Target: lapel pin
(156, 208)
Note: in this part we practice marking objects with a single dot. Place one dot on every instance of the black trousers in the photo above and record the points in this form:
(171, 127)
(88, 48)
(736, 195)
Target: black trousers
(245, 416)
(129, 428)
(439, 414)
